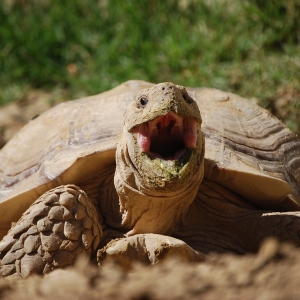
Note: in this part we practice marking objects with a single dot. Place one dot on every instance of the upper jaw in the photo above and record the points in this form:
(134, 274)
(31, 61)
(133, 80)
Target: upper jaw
(167, 136)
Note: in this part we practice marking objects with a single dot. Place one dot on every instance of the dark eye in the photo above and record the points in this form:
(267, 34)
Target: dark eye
(143, 102)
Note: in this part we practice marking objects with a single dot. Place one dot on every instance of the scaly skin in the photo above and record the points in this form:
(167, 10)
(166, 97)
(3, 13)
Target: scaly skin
(58, 227)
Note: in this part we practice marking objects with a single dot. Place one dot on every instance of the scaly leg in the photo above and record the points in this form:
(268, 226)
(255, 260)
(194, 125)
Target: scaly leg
(221, 221)
(54, 230)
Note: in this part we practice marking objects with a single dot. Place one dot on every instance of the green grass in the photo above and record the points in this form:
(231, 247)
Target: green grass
(83, 47)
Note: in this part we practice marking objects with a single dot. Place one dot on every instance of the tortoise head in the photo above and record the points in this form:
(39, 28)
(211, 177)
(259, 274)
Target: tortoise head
(159, 159)
(163, 138)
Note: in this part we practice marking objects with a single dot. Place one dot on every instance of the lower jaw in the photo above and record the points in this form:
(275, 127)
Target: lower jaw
(177, 161)
(165, 175)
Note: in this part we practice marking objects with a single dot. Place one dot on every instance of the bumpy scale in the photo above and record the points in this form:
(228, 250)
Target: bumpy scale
(57, 227)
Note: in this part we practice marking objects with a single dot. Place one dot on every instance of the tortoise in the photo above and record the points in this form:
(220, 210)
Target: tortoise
(161, 180)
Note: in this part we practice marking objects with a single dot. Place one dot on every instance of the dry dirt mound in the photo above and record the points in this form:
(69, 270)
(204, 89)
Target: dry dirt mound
(271, 274)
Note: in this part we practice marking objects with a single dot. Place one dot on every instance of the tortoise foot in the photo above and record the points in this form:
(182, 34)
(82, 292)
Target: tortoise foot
(54, 230)
(147, 249)
(284, 226)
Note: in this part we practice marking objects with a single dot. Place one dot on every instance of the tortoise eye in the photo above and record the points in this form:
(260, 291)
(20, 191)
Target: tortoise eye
(143, 102)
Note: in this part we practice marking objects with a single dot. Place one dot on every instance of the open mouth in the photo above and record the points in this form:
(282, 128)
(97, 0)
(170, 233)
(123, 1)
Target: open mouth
(168, 136)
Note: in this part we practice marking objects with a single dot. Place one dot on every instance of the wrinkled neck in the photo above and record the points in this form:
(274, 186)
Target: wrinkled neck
(149, 210)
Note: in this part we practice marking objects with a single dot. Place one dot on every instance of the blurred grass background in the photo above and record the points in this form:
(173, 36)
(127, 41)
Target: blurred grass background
(83, 47)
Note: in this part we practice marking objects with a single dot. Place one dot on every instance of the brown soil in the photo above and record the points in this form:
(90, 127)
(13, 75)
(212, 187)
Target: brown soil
(271, 274)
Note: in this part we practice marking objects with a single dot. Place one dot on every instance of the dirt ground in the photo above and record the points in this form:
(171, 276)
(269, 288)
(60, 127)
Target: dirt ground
(273, 273)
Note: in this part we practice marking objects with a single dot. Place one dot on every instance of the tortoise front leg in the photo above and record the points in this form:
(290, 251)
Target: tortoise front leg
(148, 249)
(220, 221)
(251, 227)
(54, 230)
(284, 226)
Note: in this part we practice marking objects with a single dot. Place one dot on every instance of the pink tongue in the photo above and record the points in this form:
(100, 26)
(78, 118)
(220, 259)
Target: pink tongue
(144, 138)
(190, 132)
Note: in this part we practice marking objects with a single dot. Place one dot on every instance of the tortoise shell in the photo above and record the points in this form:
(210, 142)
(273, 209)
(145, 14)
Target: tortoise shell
(246, 149)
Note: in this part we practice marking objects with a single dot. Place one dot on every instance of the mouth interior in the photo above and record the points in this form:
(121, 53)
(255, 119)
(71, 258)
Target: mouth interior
(168, 136)
(166, 143)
